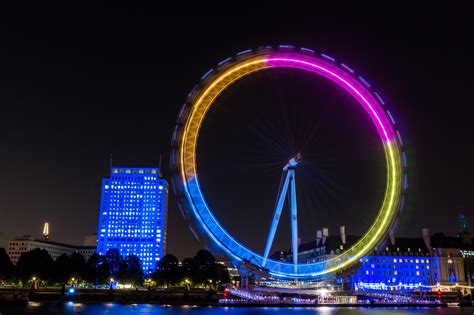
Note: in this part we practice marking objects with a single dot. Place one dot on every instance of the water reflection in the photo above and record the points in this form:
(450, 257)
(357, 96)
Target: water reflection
(121, 309)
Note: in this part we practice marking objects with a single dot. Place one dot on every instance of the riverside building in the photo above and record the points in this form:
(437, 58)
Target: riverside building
(427, 263)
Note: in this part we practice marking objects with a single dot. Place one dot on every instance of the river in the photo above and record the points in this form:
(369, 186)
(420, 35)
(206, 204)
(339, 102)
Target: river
(34, 308)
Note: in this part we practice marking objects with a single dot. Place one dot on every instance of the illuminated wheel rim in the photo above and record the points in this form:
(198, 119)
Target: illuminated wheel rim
(184, 142)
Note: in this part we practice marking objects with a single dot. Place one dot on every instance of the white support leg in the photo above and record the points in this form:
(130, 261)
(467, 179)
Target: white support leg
(293, 216)
(276, 219)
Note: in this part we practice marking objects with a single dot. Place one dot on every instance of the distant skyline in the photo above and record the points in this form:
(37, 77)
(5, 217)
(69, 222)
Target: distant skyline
(78, 84)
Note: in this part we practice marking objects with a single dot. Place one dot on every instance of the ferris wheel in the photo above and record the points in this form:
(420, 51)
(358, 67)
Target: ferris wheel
(193, 202)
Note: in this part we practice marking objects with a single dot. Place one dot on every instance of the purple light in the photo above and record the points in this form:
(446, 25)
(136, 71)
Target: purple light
(344, 80)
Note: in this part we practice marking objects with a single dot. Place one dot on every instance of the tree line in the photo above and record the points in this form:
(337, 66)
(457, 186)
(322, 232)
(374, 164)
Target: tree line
(37, 266)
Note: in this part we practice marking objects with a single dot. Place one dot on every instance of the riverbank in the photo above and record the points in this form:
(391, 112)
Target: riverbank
(171, 297)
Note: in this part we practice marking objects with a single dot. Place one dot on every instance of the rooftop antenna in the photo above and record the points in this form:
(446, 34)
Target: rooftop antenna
(110, 164)
(159, 164)
(46, 231)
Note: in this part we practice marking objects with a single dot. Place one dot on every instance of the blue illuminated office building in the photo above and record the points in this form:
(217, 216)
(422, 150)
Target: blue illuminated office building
(133, 214)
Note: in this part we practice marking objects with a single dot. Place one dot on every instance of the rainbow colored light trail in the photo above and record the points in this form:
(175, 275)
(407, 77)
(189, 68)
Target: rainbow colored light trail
(200, 104)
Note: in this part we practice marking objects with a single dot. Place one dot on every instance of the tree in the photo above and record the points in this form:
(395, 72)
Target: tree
(98, 269)
(222, 274)
(6, 266)
(78, 266)
(35, 263)
(133, 272)
(62, 268)
(204, 257)
(189, 270)
(168, 271)
(205, 262)
(115, 261)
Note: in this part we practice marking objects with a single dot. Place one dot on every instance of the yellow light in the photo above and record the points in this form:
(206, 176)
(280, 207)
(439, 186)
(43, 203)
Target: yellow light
(204, 100)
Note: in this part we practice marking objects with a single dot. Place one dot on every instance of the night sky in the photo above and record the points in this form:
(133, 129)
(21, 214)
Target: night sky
(79, 83)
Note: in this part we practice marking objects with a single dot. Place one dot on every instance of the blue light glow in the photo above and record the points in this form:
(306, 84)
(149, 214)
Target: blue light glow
(307, 50)
(206, 74)
(399, 137)
(287, 46)
(391, 117)
(133, 214)
(392, 273)
(224, 61)
(244, 52)
(367, 84)
(328, 57)
(404, 159)
(347, 68)
(379, 98)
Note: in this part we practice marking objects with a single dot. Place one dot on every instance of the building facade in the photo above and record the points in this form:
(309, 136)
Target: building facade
(401, 264)
(133, 214)
(25, 243)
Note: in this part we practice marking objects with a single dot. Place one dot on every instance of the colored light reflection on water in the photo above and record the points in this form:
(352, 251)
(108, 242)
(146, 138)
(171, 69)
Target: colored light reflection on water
(119, 309)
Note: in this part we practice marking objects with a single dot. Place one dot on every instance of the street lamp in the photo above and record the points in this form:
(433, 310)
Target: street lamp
(111, 283)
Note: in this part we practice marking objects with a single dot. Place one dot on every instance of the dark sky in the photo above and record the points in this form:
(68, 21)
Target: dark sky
(78, 83)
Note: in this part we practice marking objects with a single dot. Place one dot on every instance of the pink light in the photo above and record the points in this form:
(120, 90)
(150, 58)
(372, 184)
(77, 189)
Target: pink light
(285, 60)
